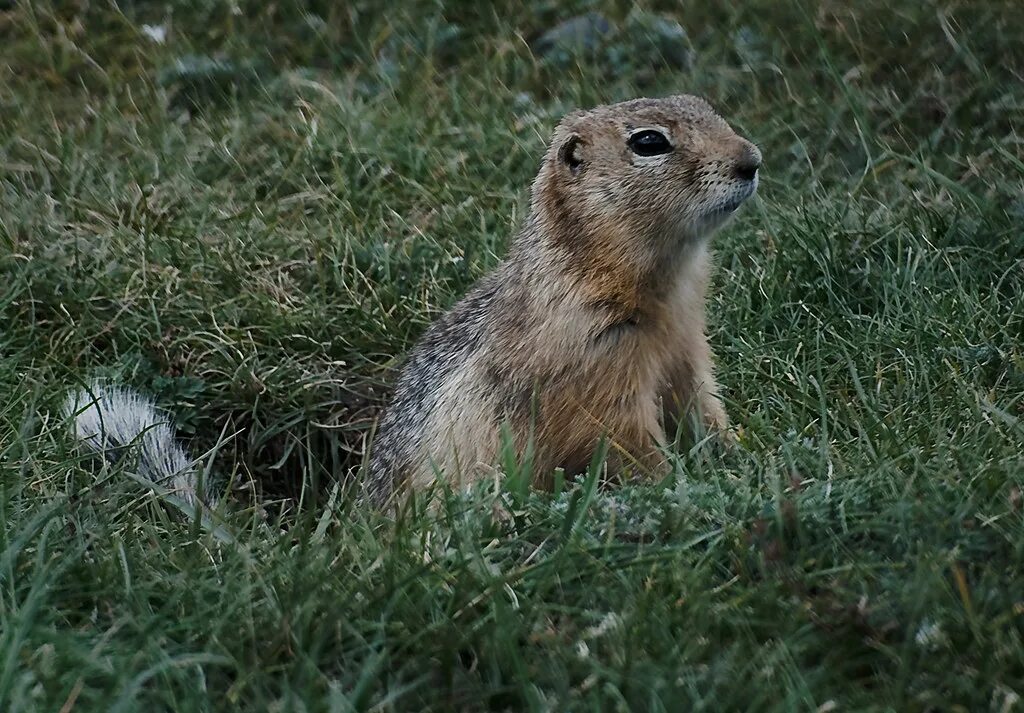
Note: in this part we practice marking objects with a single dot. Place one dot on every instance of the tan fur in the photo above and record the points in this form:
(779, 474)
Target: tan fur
(594, 325)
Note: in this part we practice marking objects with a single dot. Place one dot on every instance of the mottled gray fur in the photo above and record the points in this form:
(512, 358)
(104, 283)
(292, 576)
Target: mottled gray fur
(117, 423)
(442, 350)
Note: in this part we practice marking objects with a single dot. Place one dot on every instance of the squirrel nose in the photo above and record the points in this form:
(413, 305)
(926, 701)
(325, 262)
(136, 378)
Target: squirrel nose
(748, 162)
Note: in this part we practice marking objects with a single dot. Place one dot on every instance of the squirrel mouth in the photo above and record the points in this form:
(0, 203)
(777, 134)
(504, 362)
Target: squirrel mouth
(731, 205)
(738, 198)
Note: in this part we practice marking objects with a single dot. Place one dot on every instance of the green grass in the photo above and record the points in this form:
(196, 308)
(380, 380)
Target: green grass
(258, 242)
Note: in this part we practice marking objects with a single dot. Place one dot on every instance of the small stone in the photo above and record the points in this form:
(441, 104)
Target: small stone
(578, 35)
(659, 39)
(199, 80)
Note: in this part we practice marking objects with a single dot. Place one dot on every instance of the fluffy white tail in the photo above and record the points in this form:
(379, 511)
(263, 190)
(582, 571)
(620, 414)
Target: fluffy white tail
(115, 422)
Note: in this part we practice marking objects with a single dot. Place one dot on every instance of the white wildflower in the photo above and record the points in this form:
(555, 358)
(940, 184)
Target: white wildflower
(157, 33)
(609, 622)
(930, 635)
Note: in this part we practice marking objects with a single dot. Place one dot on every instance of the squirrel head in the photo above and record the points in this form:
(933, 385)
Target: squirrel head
(666, 172)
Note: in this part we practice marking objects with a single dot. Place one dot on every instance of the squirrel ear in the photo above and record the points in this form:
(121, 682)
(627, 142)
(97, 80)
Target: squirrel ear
(570, 154)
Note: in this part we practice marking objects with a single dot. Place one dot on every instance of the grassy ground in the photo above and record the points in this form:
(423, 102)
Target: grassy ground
(254, 218)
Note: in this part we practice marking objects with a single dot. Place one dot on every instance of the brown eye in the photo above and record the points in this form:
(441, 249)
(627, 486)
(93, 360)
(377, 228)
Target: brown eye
(648, 143)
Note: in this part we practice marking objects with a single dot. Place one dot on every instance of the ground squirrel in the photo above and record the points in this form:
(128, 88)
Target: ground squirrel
(592, 327)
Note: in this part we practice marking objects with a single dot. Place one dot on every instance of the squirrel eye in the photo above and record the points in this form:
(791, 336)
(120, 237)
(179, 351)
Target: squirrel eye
(648, 143)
